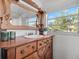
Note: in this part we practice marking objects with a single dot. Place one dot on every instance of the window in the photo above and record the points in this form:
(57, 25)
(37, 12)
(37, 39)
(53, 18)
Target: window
(32, 22)
(65, 21)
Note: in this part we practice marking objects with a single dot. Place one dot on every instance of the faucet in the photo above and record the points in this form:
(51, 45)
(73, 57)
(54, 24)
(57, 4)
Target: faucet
(30, 33)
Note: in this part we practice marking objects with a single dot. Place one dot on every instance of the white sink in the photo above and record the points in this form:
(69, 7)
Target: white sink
(33, 36)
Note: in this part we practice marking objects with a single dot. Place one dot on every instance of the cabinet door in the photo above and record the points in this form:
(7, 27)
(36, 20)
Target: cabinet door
(48, 54)
(33, 56)
(25, 50)
(41, 53)
(11, 53)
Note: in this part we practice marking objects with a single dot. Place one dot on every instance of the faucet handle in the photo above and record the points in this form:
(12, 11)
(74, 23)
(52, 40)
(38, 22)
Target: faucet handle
(30, 33)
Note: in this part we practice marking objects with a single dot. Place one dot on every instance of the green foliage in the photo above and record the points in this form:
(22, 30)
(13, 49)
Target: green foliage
(62, 24)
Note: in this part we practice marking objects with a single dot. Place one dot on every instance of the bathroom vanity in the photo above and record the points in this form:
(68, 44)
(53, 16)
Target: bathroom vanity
(24, 47)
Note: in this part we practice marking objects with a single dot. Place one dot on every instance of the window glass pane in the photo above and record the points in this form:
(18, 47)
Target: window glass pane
(32, 21)
(65, 20)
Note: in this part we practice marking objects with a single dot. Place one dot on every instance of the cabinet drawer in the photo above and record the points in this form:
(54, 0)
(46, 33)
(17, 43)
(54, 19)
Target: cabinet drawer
(40, 44)
(44, 42)
(23, 51)
(41, 52)
(33, 56)
(49, 40)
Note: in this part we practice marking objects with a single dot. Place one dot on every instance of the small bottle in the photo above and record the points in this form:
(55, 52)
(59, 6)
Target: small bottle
(12, 35)
(8, 36)
(4, 36)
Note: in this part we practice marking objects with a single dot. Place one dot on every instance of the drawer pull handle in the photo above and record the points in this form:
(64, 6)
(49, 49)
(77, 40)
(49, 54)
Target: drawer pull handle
(40, 44)
(47, 40)
(33, 47)
(22, 51)
(49, 46)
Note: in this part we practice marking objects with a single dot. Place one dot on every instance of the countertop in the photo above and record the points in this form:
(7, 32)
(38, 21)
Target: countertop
(20, 41)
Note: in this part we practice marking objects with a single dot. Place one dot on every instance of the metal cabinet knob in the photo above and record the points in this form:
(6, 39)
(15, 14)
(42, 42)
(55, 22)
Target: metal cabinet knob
(22, 52)
(33, 47)
(49, 47)
(40, 44)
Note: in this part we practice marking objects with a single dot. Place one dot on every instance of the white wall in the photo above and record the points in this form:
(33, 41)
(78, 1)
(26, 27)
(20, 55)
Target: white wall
(66, 46)
(23, 32)
(21, 21)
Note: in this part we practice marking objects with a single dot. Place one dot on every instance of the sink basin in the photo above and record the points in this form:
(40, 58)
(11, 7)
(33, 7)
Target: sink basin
(33, 36)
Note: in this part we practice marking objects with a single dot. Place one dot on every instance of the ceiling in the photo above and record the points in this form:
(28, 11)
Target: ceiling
(56, 5)
(48, 5)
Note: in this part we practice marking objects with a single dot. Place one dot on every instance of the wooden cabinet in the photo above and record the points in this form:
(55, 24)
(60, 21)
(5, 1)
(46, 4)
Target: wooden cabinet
(45, 48)
(7, 53)
(11, 53)
(33, 56)
(48, 54)
(41, 52)
(40, 49)
(25, 50)
(37, 49)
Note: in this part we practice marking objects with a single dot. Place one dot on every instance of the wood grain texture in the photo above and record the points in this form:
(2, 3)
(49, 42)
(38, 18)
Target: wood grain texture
(20, 41)
(11, 53)
(29, 48)
(25, 50)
